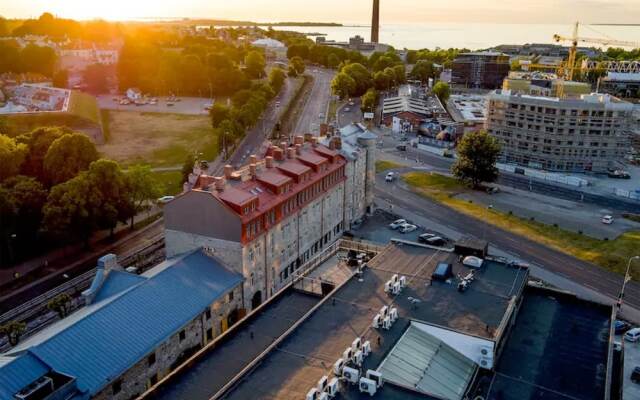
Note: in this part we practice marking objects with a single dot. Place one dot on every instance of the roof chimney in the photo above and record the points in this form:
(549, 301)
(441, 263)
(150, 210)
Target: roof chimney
(332, 144)
(291, 152)
(338, 140)
(299, 139)
(219, 182)
(307, 137)
(278, 154)
(268, 161)
(253, 170)
(253, 159)
(228, 170)
(314, 141)
(298, 148)
(283, 145)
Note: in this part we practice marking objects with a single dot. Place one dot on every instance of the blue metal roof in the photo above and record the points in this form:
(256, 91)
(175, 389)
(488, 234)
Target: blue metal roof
(107, 338)
(18, 372)
(116, 282)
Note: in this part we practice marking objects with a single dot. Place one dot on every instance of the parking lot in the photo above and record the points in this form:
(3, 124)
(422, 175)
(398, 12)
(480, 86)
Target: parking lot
(182, 105)
(375, 228)
(631, 391)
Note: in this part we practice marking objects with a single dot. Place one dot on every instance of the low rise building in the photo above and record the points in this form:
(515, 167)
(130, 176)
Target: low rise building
(483, 69)
(268, 218)
(134, 330)
(469, 110)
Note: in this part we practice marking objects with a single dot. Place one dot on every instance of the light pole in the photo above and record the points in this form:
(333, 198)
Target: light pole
(627, 278)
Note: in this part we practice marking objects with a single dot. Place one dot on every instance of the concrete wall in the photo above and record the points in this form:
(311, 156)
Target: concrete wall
(141, 375)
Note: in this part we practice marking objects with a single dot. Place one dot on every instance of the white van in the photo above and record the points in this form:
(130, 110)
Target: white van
(632, 335)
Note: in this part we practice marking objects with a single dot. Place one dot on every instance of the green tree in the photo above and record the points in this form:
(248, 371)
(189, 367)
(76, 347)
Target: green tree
(422, 71)
(382, 62)
(187, 166)
(60, 304)
(276, 79)
(297, 63)
(8, 223)
(369, 100)
(28, 196)
(218, 113)
(142, 188)
(400, 74)
(38, 142)
(360, 75)
(381, 81)
(343, 85)
(40, 59)
(477, 156)
(95, 77)
(114, 200)
(61, 79)
(12, 156)
(67, 156)
(442, 91)
(333, 61)
(390, 73)
(13, 330)
(254, 63)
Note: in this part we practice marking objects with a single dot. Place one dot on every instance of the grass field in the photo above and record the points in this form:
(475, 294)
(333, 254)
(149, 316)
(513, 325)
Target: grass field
(84, 106)
(170, 180)
(155, 138)
(383, 165)
(609, 254)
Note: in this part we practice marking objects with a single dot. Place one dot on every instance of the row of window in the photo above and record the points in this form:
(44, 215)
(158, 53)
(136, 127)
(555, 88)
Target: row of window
(555, 111)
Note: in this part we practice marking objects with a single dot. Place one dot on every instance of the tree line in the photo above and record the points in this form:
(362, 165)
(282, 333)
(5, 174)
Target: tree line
(31, 58)
(55, 188)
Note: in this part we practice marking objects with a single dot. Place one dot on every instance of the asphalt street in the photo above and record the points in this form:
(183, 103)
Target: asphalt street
(577, 271)
(315, 109)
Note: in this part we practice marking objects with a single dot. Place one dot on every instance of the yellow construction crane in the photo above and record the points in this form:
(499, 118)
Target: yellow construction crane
(574, 39)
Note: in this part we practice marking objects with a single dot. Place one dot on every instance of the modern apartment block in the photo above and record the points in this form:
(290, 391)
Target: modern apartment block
(269, 218)
(483, 69)
(587, 132)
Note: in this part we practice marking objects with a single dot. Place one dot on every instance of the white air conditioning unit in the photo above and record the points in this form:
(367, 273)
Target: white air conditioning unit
(386, 323)
(312, 394)
(486, 357)
(323, 396)
(387, 286)
(393, 314)
(322, 383)
(366, 348)
(377, 320)
(356, 344)
(338, 366)
(347, 354)
(394, 278)
(375, 376)
(368, 386)
(403, 281)
(396, 288)
(333, 387)
(350, 374)
(358, 358)
(384, 311)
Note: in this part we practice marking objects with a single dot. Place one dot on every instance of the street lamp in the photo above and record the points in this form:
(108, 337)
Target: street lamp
(627, 278)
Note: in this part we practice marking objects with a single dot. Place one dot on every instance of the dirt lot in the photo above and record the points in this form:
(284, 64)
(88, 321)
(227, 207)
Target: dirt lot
(156, 139)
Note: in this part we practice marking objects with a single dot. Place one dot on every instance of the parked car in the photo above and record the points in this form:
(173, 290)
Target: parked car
(425, 236)
(635, 375)
(607, 219)
(390, 177)
(632, 335)
(406, 228)
(402, 147)
(397, 223)
(472, 261)
(436, 241)
(619, 174)
(165, 199)
(620, 327)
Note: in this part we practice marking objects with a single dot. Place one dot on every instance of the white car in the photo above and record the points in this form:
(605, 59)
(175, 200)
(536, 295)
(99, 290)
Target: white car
(406, 228)
(632, 335)
(390, 177)
(472, 261)
(607, 219)
(165, 199)
(397, 223)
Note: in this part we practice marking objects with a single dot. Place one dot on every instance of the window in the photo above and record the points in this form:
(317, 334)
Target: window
(116, 387)
(207, 314)
(230, 296)
(183, 335)
(151, 359)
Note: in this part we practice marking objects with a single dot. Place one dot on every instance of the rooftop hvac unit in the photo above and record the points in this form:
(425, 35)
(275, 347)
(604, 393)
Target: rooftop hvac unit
(333, 387)
(403, 281)
(386, 323)
(39, 389)
(393, 314)
(486, 362)
(347, 354)
(396, 288)
(358, 358)
(368, 386)
(375, 376)
(366, 348)
(384, 311)
(338, 366)
(350, 374)
(323, 396)
(394, 278)
(312, 394)
(322, 383)
(377, 320)
(356, 344)
(387, 286)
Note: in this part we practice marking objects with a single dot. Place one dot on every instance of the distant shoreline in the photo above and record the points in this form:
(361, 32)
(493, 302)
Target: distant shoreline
(615, 24)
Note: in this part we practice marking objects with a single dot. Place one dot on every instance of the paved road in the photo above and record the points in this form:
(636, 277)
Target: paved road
(315, 109)
(577, 271)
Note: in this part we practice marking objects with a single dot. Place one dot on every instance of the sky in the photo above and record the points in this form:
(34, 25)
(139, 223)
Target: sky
(349, 11)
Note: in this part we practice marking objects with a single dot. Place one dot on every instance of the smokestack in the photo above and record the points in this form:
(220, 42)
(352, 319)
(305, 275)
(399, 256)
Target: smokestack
(268, 161)
(228, 169)
(375, 21)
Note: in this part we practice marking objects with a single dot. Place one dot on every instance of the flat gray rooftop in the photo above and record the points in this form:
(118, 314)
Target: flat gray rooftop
(290, 370)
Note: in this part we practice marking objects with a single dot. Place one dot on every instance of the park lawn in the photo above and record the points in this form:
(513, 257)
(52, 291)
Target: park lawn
(609, 254)
(171, 182)
(158, 139)
(383, 165)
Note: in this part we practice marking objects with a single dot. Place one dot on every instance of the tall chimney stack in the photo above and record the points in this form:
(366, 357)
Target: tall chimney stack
(375, 21)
